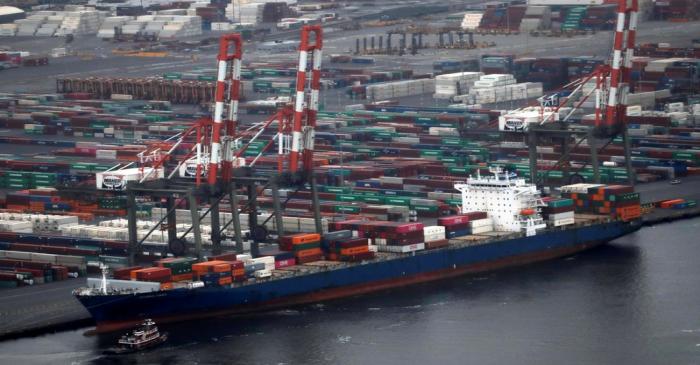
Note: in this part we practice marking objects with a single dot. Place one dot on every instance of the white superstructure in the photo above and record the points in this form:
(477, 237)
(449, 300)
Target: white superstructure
(510, 202)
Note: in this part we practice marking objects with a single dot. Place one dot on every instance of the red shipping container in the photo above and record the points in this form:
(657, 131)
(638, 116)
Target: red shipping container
(310, 258)
(124, 273)
(462, 218)
(285, 263)
(436, 244)
(157, 274)
(456, 227)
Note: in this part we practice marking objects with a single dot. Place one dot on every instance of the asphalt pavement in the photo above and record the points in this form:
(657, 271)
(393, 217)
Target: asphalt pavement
(29, 308)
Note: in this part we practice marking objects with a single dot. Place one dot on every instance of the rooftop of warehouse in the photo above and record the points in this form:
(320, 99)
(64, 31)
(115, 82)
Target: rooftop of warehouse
(7, 10)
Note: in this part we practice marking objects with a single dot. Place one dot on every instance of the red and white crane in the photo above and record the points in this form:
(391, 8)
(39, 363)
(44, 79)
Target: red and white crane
(612, 81)
(218, 144)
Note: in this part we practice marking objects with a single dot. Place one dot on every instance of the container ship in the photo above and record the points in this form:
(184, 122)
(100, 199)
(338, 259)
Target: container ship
(504, 221)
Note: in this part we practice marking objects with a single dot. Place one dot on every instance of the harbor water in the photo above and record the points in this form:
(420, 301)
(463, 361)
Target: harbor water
(634, 301)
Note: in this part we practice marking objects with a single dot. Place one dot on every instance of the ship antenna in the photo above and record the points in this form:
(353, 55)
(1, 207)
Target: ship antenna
(104, 278)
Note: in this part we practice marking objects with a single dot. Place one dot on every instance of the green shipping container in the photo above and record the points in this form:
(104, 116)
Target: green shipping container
(425, 208)
(398, 201)
(374, 199)
(346, 209)
(560, 203)
(337, 190)
(346, 198)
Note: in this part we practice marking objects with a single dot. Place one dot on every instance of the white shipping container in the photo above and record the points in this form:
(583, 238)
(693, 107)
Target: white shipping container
(136, 286)
(481, 223)
(402, 249)
(106, 154)
(482, 229)
(563, 222)
(431, 230)
(560, 216)
(118, 179)
(565, 2)
(263, 273)
(579, 188)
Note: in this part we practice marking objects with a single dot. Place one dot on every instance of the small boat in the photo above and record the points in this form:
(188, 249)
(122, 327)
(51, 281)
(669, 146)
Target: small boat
(675, 182)
(144, 337)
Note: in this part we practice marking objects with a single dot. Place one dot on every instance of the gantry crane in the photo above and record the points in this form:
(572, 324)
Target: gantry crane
(213, 168)
(610, 94)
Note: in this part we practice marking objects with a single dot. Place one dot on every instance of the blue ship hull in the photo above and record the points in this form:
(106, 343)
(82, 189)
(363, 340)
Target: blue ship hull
(112, 312)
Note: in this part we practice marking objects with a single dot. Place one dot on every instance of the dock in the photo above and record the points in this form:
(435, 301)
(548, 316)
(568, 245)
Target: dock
(34, 310)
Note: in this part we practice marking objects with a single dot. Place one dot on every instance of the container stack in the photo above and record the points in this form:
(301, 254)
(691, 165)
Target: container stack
(618, 201)
(162, 26)
(495, 88)
(397, 89)
(153, 274)
(387, 236)
(559, 212)
(452, 66)
(449, 85)
(249, 13)
(133, 27)
(582, 66)
(76, 20)
(80, 22)
(261, 266)
(395, 237)
(435, 237)
(38, 222)
(14, 273)
(305, 246)
(493, 18)
(472, 20)
(461, 225)
(342, 246)
(180, 268)
(514, 17)
(494, 80)
(30, 25)
(677, 10)
(535, 18)
(182, 26)
(573, 18)
(213, 273)
(600, 17)
(8, 29)
(551, 72)
(238, 273)
(496, 64)
(677, 204)
(14, 258)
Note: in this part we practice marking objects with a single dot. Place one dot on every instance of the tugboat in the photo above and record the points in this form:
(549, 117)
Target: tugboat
(143, 337)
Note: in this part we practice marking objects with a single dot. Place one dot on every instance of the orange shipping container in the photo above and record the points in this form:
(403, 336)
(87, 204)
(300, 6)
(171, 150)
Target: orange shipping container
(221, 268)
(302, 238)
(631, 212)
(309, 252)
(670, 203)
(211, 266)
(354, 250)
(182, 277)
(225, 280)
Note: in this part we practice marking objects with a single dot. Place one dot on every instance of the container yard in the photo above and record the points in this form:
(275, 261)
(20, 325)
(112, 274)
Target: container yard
(158, 164)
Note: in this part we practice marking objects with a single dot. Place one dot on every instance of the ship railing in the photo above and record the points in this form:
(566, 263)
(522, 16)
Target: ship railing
(388, 256)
